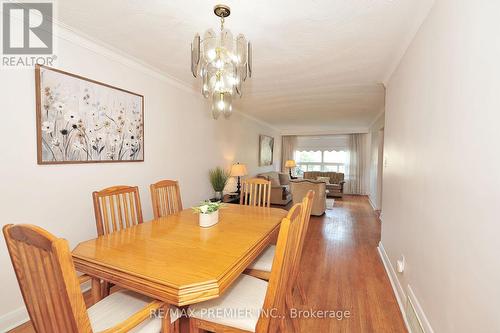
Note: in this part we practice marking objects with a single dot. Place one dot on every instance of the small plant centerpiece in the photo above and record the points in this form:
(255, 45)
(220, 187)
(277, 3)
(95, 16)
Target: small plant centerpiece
(209, 213)
(218, 179)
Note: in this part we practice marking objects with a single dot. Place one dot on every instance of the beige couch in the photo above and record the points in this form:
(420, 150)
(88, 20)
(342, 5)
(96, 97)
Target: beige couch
(299, 189)
(280, 193)
(336, 186)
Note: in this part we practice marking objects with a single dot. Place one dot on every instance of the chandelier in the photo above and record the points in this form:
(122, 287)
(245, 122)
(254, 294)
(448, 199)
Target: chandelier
(223, 63)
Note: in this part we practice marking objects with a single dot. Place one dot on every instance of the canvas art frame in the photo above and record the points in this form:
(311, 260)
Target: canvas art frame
(80, 120)
(266, 150)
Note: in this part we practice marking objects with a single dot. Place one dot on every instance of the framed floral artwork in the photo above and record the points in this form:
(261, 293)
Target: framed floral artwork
(80, 120)
(266, 149)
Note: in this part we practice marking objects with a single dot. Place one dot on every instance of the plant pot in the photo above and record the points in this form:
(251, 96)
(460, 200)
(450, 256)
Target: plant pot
(208, 220)
(218, 195)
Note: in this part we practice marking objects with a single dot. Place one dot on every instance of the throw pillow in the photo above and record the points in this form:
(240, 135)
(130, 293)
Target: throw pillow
(284, 178)
(324, 179)
(274, 182)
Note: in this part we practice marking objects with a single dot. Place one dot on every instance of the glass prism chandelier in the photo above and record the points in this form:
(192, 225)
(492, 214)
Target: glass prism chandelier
(223, 63)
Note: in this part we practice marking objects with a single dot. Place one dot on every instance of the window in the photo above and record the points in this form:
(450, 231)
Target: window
(320, 161)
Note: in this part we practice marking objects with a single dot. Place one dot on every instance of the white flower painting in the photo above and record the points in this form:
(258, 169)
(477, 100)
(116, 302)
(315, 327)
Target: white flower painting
(83, 121)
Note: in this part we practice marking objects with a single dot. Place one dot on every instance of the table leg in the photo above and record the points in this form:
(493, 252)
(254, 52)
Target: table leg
(96, 289)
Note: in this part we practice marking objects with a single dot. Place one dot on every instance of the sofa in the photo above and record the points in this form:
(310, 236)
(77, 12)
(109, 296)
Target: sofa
(336, 185)
(280, 193)
(299, 189)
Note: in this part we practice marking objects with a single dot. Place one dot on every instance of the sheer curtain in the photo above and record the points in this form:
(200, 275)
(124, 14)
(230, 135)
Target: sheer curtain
(356, 164)
(288, 147)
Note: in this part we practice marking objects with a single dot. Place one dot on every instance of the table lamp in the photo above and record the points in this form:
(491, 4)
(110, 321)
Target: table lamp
(290, 164)
(238, 170)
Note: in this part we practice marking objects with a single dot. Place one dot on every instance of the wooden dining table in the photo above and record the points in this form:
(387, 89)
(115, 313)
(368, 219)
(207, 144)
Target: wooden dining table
(174, 260)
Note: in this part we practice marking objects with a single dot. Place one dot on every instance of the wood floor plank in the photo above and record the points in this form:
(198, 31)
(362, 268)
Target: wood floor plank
(342, 271)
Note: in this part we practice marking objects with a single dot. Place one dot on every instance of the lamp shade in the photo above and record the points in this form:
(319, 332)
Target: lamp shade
(290, 164)
(238, 170)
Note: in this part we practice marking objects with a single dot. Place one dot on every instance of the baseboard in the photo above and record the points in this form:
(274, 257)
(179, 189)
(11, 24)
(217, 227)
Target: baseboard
(13, 319)
(371, 203)
(401, 296)
(20, 316)
(426, 325)
(396, 286)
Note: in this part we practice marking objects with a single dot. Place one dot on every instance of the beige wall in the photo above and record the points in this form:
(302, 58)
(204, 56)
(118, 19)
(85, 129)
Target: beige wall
(442, 179)
(181, 142)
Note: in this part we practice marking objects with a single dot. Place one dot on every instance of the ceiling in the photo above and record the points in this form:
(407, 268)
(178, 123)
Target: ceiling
(319, 65)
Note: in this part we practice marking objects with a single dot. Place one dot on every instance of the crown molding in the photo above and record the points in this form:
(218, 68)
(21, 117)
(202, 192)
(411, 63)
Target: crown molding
(260, 122)
(81, 39)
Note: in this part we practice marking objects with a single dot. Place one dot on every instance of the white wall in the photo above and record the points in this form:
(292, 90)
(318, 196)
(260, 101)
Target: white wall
(181, 142)
(374, 177)
(442, 180)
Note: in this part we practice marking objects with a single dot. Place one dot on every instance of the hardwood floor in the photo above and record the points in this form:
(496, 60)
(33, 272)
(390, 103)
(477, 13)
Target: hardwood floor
(342, 271)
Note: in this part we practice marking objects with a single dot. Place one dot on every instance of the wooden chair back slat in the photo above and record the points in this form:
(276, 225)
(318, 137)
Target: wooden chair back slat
(127, 211)
(256, 192)
(117, 208)
(103, 225)
(133, 216)
(166, 198)
(120, 217)
(307, 204)
(284, 259)
(112, 210)
(47, 279)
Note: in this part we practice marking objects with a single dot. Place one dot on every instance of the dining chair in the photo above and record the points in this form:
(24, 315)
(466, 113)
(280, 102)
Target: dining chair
(253, 296)
(256, 192)
(53, 298)
(262, 266)
(166, 198)
(116, 208)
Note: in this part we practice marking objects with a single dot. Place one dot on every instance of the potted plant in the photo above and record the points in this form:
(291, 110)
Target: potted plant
(209, 213)
(218, 179)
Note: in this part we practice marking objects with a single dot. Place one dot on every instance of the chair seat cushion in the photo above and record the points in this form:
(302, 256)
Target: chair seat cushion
(239, 307)
(118, 307)
(265, 261)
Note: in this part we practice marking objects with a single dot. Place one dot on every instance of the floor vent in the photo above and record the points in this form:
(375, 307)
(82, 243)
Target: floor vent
(414, 323)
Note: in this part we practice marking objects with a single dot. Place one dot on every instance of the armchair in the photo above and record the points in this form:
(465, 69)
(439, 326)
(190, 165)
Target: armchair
(299, 189)
(336, 185)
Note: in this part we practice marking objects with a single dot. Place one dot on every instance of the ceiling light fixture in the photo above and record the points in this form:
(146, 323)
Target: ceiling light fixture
(223, 63)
